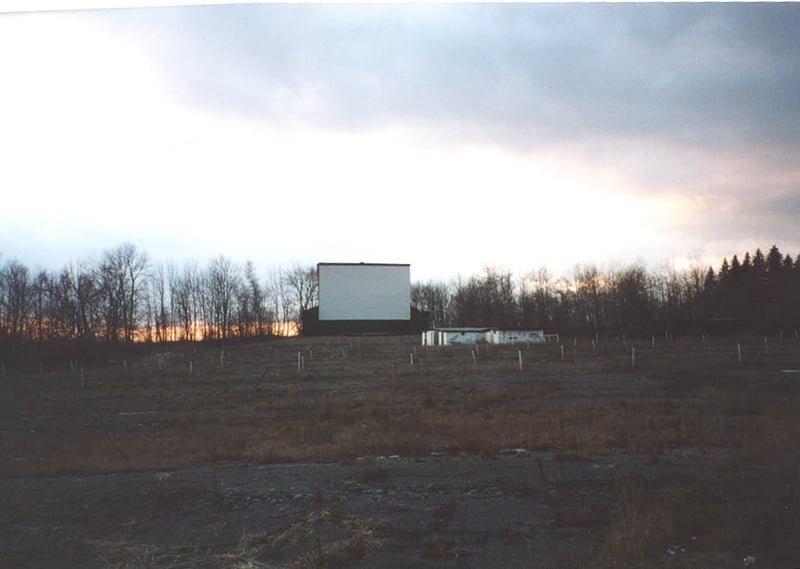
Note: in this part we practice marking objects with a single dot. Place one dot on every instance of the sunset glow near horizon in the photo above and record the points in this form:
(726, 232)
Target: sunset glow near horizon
(450, 137)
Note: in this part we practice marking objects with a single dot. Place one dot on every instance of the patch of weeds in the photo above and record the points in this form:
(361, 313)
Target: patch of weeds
(137, 556)
(575, 509)
(342, 553)
(443, 516)
(319, 493)
(261, 452)
(737, 508)
(518, 532)
(572, 456)
(321, 540)
(441, 550)
(372, 471)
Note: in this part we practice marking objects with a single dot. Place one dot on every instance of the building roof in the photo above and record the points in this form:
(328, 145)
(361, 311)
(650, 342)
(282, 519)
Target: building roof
(463, 329)
(366, 264)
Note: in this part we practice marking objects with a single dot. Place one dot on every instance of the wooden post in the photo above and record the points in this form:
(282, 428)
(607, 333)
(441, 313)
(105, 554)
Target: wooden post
(299, 361)
(633, 356)
(519, 355)
(652, 342)
(562, 352)
(739, 353)
(411, 357)
(474, 359)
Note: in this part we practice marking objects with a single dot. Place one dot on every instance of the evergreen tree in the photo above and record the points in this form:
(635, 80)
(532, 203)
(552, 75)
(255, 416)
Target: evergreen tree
(773, 294)
(788, 263)
(724, 270)
(736, 269)
(759, 264)
(747, 264)
(709, 289)
(774, 262)
(710, 281)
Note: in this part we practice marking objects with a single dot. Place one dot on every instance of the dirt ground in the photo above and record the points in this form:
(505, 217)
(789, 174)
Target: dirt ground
(576, 460)
(443, 511)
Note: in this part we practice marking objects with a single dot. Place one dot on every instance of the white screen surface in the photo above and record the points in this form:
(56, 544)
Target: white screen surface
(364, 292)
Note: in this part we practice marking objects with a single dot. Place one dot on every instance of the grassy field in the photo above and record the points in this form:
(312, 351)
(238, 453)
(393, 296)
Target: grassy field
(340, 399)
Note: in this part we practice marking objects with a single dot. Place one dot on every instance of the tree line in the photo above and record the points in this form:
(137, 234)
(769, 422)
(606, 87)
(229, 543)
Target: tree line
(757, 294)
(124, 297)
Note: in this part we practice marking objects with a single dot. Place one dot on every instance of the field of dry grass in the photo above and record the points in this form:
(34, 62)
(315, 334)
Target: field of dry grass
(322, 400)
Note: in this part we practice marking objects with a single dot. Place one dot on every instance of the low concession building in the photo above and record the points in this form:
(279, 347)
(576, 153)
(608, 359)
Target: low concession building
(466, 335)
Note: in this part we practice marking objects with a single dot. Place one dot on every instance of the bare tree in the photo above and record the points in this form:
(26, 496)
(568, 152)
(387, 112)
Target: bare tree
(280, 300)
(536, 299)
(80, 301)
(122, 272)
(15, 289)
(433, 297)
(40, 309)
(222, 283)
(172, 279)
(186, 291)
(160, 293)
(502, 303)
(589, 288)
(489, 300)
(257, 299)
(304, 285)
(631, 301)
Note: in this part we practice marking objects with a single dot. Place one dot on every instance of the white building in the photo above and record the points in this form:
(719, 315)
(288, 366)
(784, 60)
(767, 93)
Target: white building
(477, 335)
(454, 336)
(516, 337)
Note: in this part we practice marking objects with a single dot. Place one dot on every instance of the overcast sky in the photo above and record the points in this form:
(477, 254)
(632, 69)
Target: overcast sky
(448, 136)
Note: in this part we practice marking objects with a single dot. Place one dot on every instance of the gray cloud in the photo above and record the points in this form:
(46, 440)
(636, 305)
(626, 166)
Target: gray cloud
(748, 217)
(520, 74)
(698, 97)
